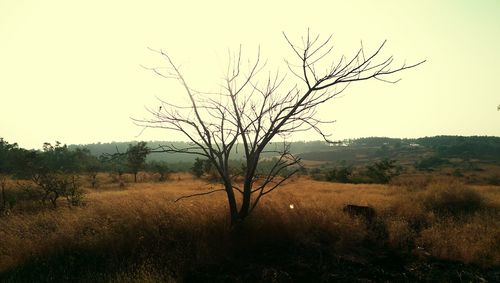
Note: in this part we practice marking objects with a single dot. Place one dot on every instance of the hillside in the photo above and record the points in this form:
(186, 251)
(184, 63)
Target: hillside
(352, 151)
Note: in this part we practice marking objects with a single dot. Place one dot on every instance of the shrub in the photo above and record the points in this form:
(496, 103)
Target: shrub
(9, 199)
(198, 167)
(430, 163)
(161, 168)
(452, 199)
(316, 174)
(341, 175)
(74, 195)
(55, 185)
(383, 171)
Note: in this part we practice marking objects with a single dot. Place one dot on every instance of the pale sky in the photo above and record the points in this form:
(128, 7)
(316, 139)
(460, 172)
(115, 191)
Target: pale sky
(70, 70)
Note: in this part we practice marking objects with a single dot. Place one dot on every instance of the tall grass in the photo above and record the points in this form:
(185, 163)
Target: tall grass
(452, 199)
(139, 234)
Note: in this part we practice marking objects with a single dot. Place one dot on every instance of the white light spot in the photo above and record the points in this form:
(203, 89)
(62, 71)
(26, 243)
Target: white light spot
(291, 206)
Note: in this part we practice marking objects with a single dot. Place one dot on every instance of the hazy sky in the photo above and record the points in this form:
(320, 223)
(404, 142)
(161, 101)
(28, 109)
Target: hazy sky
(70, 70)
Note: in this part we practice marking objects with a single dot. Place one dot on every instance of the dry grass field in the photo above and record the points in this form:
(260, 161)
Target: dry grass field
(425, 230)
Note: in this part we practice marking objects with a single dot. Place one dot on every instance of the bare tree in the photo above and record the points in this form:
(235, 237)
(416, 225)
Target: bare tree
(252, 110)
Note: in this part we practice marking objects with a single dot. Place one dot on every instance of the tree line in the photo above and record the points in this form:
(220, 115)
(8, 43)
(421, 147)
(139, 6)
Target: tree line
(57, 157)
(55, 171)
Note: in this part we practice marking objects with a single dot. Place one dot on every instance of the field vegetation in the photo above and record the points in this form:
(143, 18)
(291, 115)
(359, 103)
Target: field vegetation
(390, 211)
(436, 229)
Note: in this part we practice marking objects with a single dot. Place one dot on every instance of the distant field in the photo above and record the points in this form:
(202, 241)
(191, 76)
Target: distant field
(138, 234)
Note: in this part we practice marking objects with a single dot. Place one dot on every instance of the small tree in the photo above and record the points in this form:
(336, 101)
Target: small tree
(88, 164)
(54, 171)
(383, 171)
(136, 157)
(6, 150)
(252, 111)
(115, 164)
(341, 175)
(7, 154)
(198, 168)
(161, 168)
(56, 185)
(92, 168)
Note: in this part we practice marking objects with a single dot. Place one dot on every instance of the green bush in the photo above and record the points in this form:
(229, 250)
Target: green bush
(383, 171)
(341, 175)
(198, 167)
(430, 163)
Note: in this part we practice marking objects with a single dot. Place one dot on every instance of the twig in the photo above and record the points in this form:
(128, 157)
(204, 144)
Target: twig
(199, 194)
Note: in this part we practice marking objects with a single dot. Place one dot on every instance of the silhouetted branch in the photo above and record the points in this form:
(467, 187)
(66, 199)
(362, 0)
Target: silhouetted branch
(199, 194)
(252, 109)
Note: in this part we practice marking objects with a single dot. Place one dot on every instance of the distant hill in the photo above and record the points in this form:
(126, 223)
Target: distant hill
(98, 149)
(352, 151)
(366, 150)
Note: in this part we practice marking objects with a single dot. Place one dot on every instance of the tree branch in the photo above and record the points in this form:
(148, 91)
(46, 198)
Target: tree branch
(199, 194)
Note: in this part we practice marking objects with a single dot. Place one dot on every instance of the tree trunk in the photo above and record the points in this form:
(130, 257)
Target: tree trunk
(247, 185)
(245, 202)
(233, 210)
(135, 177)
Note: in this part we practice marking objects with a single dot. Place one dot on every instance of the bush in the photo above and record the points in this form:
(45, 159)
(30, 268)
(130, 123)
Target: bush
(55, 185)
(74, 194)
(430, 163)
(383, 171)
(316, 174)
(161, 168)
(9, 199)
(341, 175)
(198, 167)
(452, 199)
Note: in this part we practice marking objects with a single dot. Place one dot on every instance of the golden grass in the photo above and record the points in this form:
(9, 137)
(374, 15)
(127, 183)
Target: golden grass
(144, 216)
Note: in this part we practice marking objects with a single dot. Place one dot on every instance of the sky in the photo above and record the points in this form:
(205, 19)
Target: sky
(70, 71)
